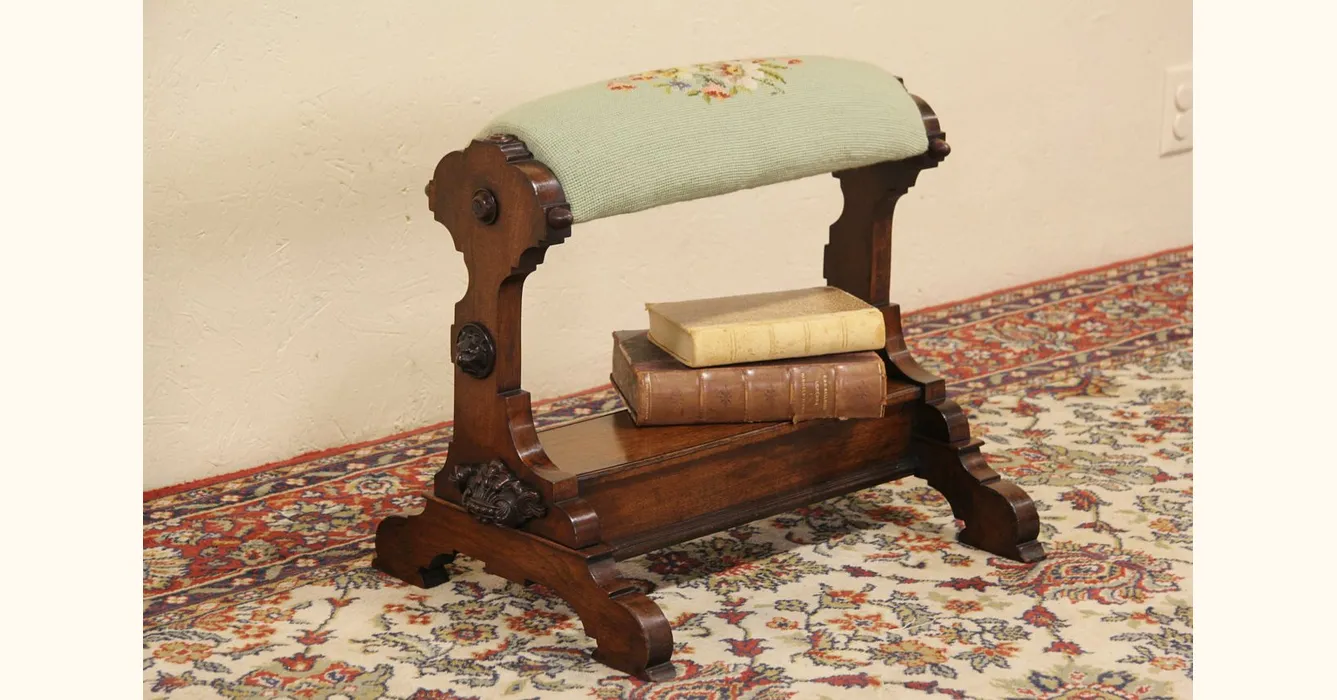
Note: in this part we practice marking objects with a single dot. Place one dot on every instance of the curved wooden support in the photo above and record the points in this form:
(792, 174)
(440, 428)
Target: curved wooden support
(903, 364)
(503, 210)
(858, 256)
(632, 633)
(999, 516)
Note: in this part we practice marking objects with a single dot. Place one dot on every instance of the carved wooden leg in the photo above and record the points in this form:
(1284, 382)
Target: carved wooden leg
(999, 516)
(410, 558)
(632, 633)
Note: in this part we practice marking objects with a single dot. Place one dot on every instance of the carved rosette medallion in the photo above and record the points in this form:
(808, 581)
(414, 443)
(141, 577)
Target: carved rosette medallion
(493, 494)
(475, 353)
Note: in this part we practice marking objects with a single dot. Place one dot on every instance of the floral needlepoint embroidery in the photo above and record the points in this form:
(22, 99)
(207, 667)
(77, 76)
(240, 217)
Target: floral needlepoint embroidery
(713, 81)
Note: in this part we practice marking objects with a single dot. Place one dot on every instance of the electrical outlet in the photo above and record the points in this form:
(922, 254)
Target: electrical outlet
(1177, 111)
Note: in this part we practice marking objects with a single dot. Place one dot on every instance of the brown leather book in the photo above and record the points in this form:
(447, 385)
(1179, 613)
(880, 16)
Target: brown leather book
(660, 390)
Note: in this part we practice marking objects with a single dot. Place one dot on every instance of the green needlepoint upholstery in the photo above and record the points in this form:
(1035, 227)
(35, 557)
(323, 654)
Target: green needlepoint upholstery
(671, 135)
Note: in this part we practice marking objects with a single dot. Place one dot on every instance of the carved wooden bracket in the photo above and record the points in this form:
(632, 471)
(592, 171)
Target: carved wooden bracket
(493, 495)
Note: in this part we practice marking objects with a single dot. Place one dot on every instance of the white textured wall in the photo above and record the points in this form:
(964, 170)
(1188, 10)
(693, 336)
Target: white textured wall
(297, 293)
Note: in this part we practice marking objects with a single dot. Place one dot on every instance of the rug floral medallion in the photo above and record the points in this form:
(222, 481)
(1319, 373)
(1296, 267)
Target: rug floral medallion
(259, 587)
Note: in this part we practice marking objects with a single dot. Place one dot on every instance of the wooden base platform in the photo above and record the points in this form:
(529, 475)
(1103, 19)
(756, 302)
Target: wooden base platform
(705, 478)
(653, 487)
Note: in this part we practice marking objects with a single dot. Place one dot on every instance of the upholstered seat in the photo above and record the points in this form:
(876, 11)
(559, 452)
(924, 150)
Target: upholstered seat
(671, 135)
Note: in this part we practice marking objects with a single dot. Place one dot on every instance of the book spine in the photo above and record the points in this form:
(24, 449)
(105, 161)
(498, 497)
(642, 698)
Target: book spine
(852, 389)
(625, 378)
(848, 331)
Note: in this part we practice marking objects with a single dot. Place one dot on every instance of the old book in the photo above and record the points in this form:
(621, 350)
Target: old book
(659, 390)
(768, 326)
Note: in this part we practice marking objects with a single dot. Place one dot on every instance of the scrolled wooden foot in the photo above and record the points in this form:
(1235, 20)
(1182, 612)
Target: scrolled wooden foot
(408, 557)
(435, 573)
(999, 516)
(631, 632)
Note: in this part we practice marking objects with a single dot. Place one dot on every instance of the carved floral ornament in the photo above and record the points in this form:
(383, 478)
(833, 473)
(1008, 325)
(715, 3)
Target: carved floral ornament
(492, 494)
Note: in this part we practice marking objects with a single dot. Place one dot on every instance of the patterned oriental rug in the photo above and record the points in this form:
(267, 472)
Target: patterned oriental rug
(258, 586)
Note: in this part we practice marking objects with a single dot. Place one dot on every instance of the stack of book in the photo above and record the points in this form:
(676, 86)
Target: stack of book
(795, 355)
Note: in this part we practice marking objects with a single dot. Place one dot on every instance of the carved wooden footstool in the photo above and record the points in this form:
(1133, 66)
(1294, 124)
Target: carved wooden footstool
(561, 507)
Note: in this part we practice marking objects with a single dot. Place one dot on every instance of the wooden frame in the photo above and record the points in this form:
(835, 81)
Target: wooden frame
(560, 511)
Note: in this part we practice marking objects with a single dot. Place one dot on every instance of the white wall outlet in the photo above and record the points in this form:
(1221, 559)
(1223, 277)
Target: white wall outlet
(1177, 111)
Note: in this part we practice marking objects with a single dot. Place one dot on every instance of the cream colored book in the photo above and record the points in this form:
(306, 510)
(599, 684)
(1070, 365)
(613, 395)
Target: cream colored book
(768, 326)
